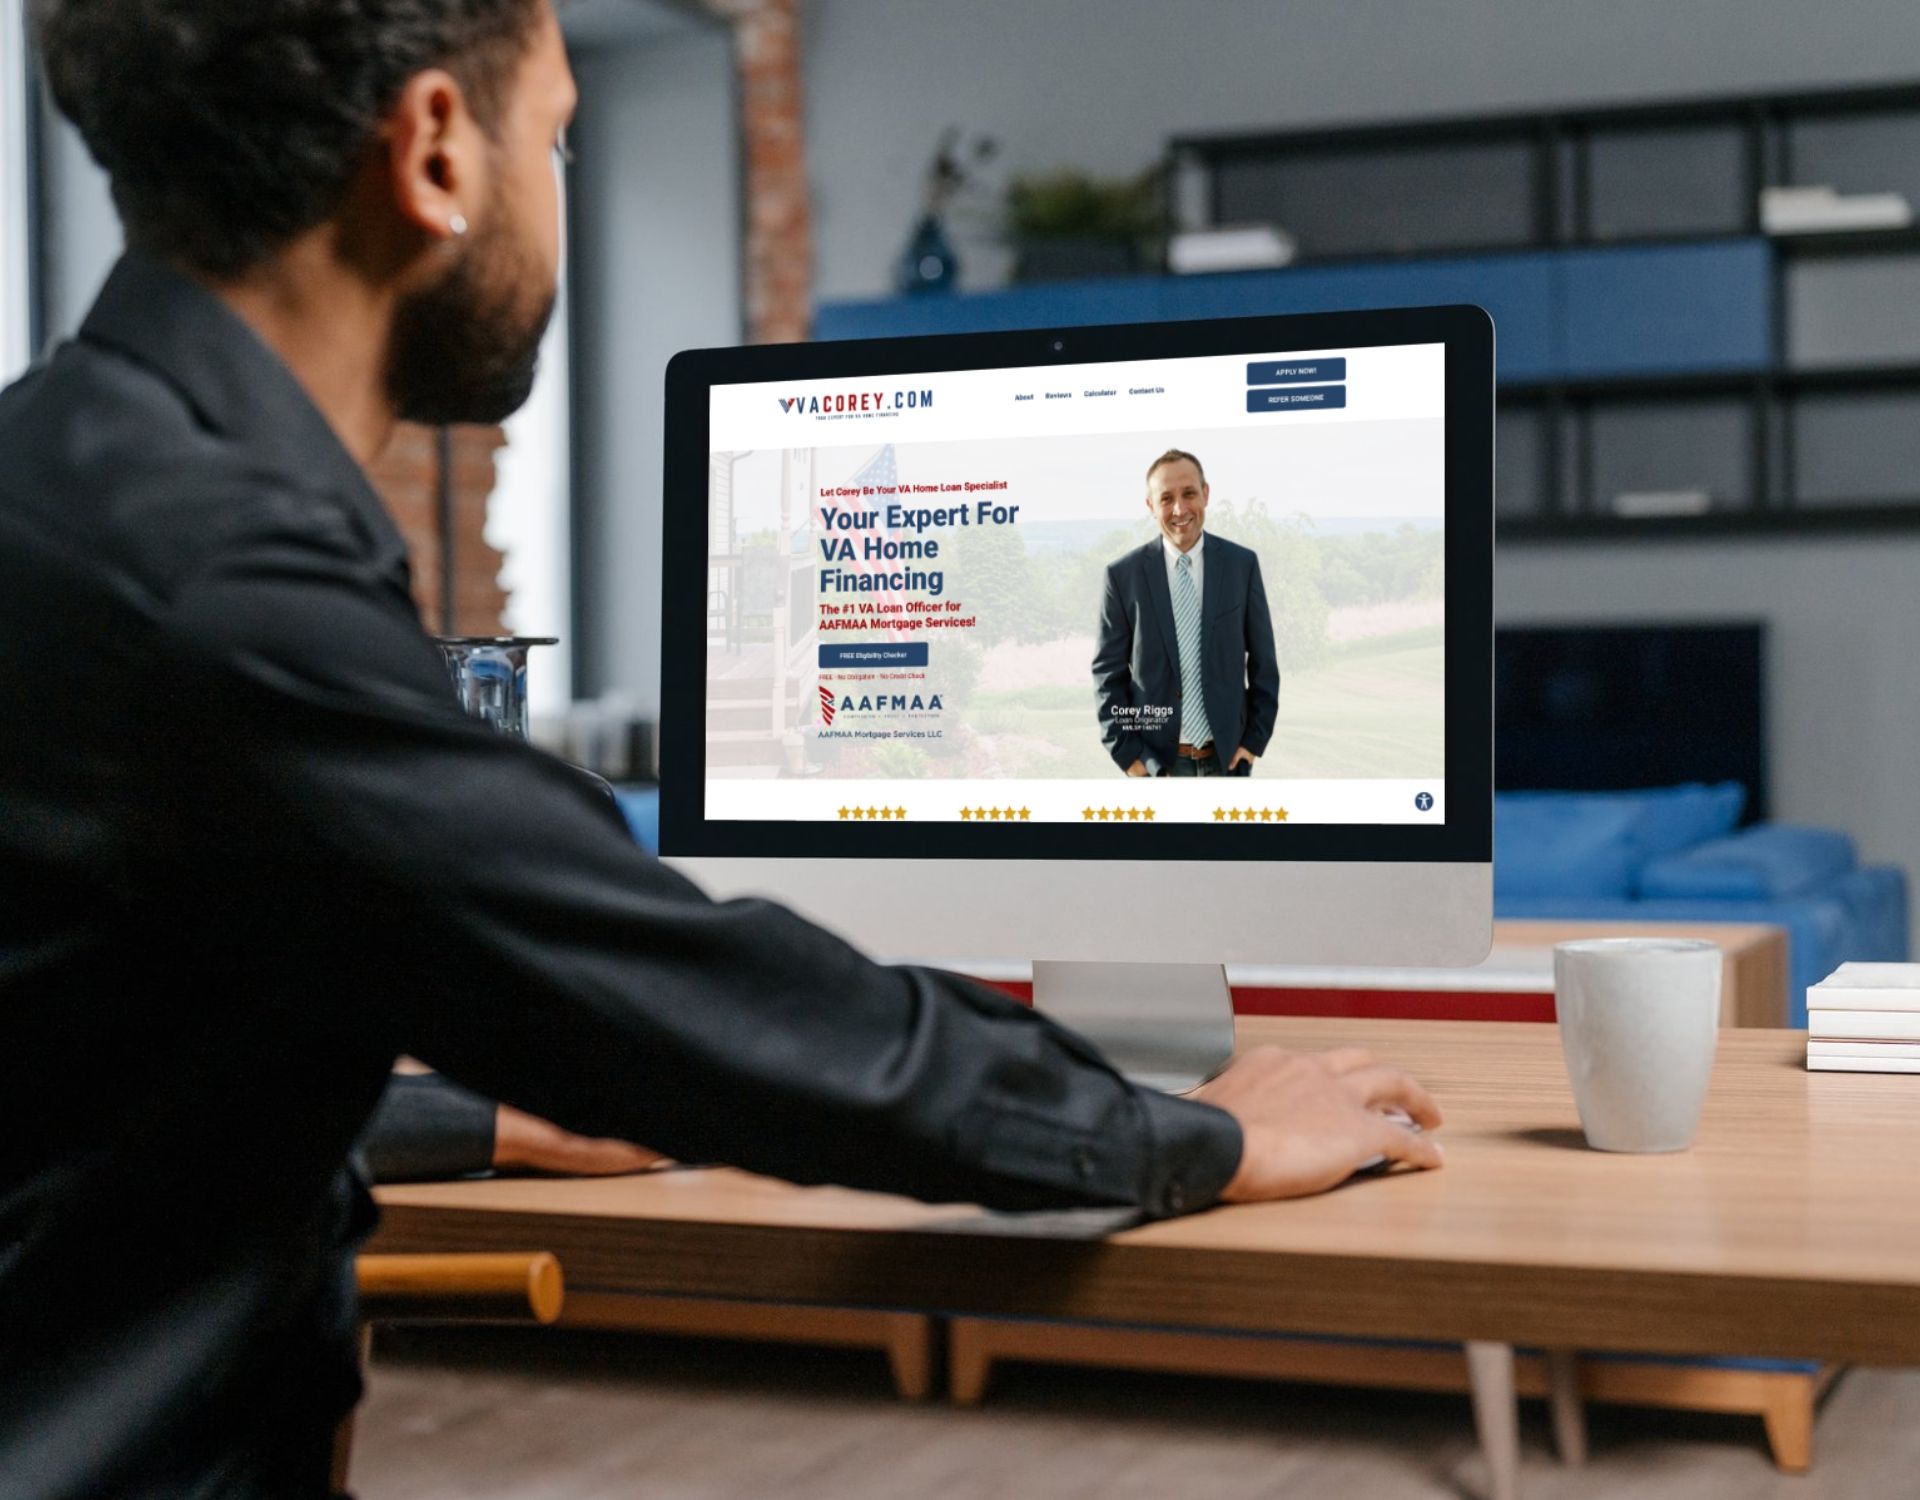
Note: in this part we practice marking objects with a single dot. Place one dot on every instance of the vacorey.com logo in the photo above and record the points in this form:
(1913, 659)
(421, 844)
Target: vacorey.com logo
(841, 403)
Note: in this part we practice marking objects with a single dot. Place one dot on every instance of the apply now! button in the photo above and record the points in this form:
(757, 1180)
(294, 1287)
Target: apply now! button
(1297, 398)
(1295, 371)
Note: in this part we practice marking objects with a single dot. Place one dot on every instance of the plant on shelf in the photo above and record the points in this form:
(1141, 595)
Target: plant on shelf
(1067, 224)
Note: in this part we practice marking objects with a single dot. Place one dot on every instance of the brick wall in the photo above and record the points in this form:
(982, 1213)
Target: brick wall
(779, 251)
(408, 478)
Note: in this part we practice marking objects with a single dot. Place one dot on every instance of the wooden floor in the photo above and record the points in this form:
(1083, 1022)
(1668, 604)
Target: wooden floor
(547, 1415)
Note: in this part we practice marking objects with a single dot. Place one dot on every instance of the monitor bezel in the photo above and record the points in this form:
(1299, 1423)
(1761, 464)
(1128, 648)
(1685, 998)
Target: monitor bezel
(1465, 837)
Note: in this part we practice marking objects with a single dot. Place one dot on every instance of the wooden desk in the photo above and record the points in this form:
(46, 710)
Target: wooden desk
(1789, 1230)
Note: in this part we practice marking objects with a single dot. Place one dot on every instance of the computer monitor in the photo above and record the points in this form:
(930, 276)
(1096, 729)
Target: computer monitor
(928, 600)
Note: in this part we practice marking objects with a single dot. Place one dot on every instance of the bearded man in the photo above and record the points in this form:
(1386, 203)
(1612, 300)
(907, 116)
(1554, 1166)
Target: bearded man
(252, 851)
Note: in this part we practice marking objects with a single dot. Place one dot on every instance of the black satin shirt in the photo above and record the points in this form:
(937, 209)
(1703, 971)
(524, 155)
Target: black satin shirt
(251, 851)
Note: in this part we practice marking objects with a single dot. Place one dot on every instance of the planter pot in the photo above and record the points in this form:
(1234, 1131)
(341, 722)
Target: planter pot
(1075, 260)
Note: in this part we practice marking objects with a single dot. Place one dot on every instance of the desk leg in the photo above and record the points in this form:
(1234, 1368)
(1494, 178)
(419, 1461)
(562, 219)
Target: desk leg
(1569, 1412)
(969, 1361)
(910, 1354)
(1789, 1418)
(343, 1434)
(342, 1456)
(1496, 1413)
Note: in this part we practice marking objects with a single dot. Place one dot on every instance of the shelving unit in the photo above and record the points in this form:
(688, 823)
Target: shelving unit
(1654, 342)
(1824, 432)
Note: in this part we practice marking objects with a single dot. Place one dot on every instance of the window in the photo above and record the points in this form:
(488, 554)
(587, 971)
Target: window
(16, 338)
(529, 519)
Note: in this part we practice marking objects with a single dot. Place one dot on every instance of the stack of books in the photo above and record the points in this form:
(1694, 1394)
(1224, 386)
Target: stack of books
(1865, 1018)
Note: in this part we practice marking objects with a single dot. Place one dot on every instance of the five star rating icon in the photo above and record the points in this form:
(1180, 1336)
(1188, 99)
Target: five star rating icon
(852, 814)
(1249, 815)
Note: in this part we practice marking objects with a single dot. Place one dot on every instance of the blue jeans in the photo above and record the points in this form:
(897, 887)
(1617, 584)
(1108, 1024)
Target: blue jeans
(1186, 766)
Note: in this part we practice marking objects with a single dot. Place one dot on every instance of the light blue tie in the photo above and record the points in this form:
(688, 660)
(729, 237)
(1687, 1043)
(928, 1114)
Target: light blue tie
(1186, 624)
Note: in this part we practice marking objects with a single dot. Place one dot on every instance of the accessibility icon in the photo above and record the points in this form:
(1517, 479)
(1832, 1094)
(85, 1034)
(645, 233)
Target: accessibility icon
(1424, 802)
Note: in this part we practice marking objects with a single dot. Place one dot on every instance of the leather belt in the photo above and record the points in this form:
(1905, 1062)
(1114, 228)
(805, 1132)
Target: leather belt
(1197, 752)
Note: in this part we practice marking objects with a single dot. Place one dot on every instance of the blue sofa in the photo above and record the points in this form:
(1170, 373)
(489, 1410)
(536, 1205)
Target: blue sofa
(1676, 854)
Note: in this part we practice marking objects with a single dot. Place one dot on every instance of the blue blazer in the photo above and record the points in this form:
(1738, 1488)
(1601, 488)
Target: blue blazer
(1136, 659)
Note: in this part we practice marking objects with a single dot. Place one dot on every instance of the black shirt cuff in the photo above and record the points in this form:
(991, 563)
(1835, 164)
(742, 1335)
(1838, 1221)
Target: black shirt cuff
(428, 1128)
(1194, 1150)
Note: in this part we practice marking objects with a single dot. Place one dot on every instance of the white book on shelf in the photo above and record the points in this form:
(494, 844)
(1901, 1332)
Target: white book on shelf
(1863, 1025)
(1232, 247)
(1863, 1064)
(1853, 1048)
(1644, 503)
(1867, 987)
(1823, 209)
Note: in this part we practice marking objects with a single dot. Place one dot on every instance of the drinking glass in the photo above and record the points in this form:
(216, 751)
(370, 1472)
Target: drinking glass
(489, 675)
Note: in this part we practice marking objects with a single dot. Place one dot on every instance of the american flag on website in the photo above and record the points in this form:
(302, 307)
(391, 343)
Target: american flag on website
(881, 473)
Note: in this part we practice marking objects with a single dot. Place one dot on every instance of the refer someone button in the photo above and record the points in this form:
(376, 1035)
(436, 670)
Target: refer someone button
(1297, 398)
(1295, 371)
(844, 654)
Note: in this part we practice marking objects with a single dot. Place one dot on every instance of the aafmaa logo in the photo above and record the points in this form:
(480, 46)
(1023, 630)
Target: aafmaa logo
(855, 704)
(876, 703)
(884, 703)
(839, 402)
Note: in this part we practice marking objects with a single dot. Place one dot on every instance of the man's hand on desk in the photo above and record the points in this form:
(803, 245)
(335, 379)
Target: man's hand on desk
(1310, 1120)
(526, 1143)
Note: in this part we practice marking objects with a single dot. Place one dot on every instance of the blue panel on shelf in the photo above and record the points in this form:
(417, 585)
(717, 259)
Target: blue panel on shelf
(1064, 304)
(1668, 309)
(1516, 289)
(1691, 307)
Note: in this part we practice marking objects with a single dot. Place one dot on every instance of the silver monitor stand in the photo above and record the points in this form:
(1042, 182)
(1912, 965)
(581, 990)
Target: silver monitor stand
(1169, 1026)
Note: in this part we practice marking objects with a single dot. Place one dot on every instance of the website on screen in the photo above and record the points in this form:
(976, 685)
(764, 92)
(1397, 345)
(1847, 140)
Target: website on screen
(1205, 590)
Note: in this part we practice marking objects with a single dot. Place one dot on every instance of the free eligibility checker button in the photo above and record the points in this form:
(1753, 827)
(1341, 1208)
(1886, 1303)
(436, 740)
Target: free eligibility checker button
(1295, 371)
(845, 654)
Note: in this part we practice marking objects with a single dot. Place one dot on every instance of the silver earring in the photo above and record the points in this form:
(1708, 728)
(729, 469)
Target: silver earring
(457, 224)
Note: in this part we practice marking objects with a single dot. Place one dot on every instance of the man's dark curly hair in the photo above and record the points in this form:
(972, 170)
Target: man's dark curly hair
(227, 127)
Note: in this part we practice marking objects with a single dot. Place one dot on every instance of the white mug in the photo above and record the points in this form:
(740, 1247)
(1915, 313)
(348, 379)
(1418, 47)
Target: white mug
(1638, 1021)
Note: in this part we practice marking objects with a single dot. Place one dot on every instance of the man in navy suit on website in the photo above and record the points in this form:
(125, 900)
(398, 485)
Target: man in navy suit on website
(1184, 668)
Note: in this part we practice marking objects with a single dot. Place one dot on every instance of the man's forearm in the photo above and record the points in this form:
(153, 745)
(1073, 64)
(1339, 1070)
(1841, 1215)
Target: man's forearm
(507, 931)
